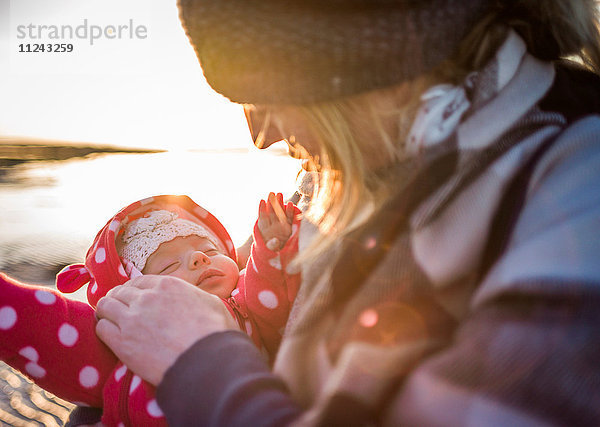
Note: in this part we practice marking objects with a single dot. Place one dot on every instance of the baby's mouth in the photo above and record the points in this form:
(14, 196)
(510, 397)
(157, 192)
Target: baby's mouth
(206, 275)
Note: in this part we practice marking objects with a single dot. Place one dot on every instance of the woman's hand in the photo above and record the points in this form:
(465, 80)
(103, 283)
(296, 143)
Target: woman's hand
(151, 320)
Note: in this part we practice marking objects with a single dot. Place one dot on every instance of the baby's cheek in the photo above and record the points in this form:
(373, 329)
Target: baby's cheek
(234, 278)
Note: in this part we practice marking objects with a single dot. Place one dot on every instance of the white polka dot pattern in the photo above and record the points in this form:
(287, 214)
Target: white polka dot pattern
(268, 299)
(135, 382)
(94, 287)
(8, 317)
(45, 297)
(88, 376)
(275, 262)
(292, 269)
(30, 354)
(120, 372)
(114, 226)
(67, 335)
(35, 370)
(248, 326)
(153, 409)
(100, 256)
(122, 271)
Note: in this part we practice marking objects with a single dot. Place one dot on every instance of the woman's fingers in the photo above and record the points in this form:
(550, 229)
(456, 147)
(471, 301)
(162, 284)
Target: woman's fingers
(165, 316)
(141, 282)
(108, 332)
(127, 294)
(111, 309)
(114, 306)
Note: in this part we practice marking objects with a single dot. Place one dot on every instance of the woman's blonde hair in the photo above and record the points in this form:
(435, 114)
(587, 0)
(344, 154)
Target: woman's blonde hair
(348, 190)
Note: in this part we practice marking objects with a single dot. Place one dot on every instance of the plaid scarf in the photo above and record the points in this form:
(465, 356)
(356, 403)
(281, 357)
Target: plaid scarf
(395, 289)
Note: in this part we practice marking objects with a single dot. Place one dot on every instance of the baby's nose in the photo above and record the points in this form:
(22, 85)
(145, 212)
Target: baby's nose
(198, 259)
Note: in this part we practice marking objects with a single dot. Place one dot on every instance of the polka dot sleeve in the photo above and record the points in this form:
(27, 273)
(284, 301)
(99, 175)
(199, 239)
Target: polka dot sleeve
(52, 340)
(267, 288)
(130, 401)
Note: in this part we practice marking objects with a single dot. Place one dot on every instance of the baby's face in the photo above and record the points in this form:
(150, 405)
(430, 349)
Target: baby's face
(197, 261)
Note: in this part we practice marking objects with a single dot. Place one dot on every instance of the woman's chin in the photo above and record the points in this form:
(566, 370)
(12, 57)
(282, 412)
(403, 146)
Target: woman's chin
(310, 165)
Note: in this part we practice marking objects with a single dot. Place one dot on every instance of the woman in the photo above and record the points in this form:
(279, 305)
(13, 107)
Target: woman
(454, 279)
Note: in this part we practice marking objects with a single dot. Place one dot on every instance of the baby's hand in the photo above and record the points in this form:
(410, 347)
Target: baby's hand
(275, 221)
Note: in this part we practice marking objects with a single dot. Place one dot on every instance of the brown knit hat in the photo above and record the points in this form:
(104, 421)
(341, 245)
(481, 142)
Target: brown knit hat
(303, 51)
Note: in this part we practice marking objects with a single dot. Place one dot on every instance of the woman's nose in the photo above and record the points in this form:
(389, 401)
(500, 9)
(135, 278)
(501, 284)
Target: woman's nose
(198, 259)
(261, 129)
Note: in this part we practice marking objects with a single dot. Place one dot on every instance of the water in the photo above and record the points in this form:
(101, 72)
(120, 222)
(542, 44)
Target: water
(51, 211)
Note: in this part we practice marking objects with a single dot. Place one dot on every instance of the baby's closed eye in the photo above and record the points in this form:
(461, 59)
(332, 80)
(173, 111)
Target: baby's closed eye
(171, 267)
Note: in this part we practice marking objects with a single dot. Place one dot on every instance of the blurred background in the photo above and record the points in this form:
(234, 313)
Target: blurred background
(84, 133)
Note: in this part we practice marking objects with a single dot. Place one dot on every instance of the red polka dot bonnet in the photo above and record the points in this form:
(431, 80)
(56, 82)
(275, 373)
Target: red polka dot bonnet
(122, 247)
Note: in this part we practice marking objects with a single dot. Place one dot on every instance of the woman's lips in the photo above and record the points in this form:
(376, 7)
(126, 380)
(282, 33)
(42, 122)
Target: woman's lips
(310, 166)
(208, 274)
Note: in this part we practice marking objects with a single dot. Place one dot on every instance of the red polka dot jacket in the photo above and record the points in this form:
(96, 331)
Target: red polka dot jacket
(52, 339)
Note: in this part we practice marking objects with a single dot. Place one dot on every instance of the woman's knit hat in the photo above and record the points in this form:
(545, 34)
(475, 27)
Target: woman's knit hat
(303, 51)
(129, 231)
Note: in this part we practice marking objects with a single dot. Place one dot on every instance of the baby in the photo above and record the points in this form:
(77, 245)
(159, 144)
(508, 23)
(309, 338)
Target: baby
(52, 339)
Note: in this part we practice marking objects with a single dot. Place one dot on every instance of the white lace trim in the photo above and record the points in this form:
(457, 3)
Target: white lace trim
(143, 236)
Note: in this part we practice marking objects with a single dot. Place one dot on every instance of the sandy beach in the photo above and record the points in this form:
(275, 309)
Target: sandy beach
(22, 403)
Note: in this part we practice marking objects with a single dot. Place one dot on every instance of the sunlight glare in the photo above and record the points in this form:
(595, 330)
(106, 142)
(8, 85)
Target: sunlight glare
(143, 93)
